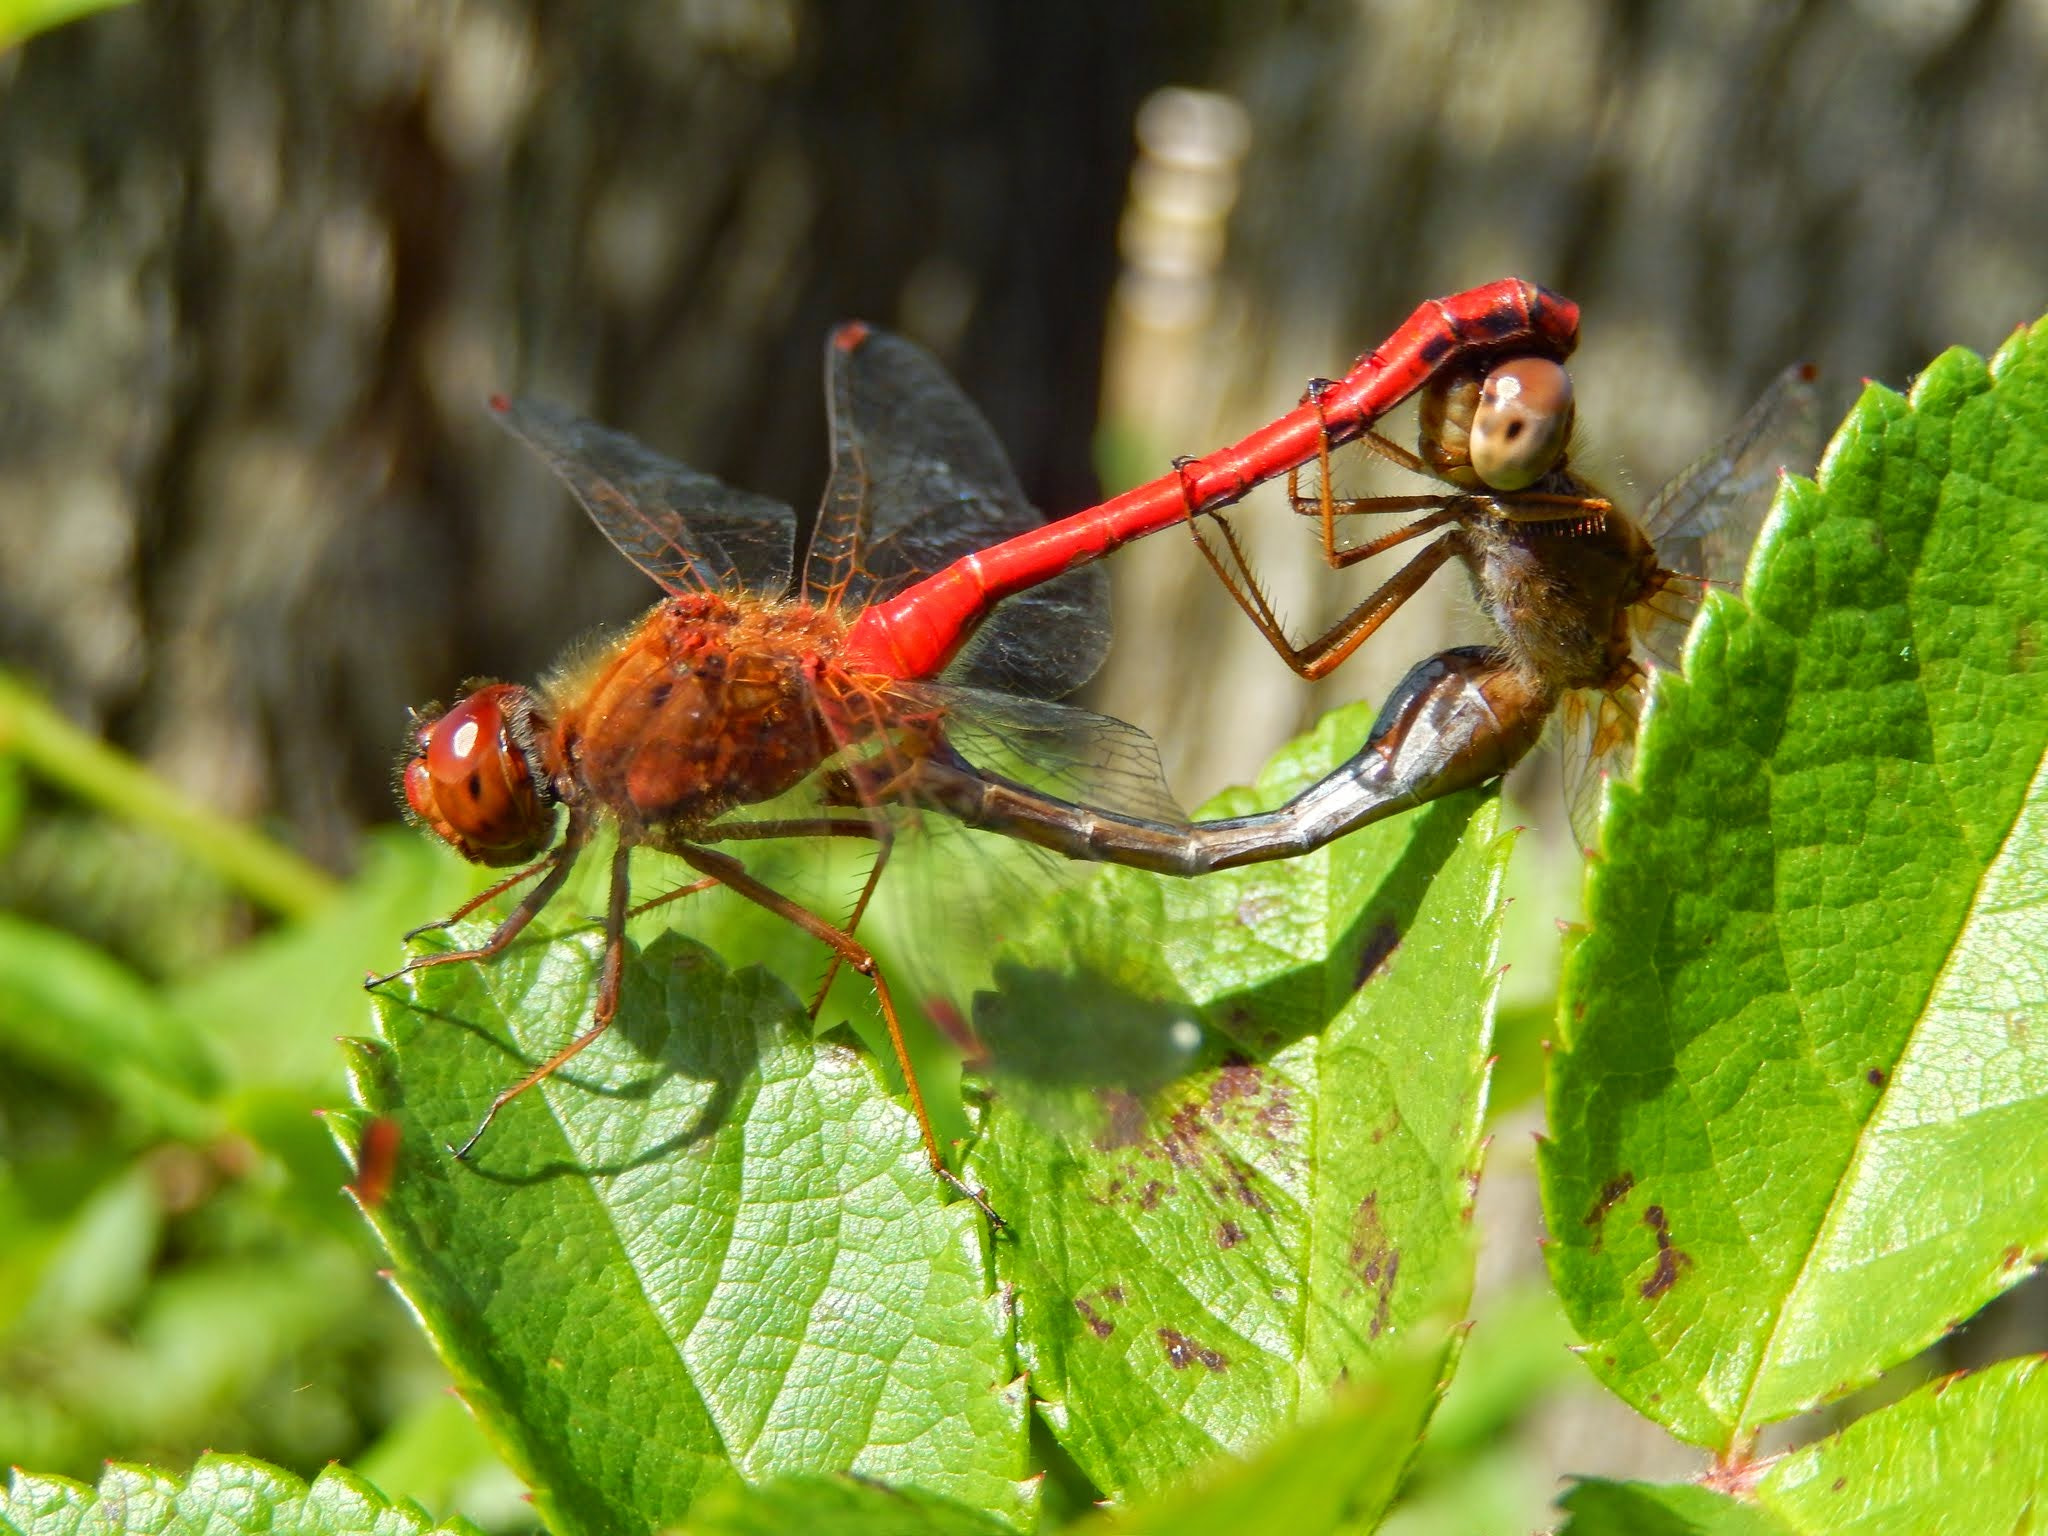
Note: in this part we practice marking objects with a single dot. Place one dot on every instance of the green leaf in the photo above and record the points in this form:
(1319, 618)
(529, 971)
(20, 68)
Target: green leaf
(1336, 1470)
(709, 1251)
(1802, 1123)
(838, 1506)
(1968, 1453)
(274, 1007)
(80, 1015)
(1270, 1188)
(1601, 1508)
(711, 1248)
(1965, 1454)
(224, 1494)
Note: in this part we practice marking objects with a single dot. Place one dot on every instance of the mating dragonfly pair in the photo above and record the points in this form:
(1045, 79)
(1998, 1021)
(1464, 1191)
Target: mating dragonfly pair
(935, 617)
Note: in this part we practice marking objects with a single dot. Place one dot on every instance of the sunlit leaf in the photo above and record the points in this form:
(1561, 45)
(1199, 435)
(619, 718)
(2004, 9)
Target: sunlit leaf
(224, 1493)
(1236, 1127)
(709, 1249)
(1802, 1123)
(833, 1506)
(1336, 1470)
(1968, 1454)
(1965, 1454)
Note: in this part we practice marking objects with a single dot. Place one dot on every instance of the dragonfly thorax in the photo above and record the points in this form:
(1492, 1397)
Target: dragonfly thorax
(1560, 589)
(707, 703)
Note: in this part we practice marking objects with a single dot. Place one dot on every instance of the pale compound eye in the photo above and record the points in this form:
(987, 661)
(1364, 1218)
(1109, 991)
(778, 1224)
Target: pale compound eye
(1523, 423)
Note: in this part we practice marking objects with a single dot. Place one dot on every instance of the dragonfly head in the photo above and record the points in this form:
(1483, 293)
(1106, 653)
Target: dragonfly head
(473, 776)
(1501, 430)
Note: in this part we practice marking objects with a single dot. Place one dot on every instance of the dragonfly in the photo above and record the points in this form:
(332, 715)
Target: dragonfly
(931, 622)
(1586, 601)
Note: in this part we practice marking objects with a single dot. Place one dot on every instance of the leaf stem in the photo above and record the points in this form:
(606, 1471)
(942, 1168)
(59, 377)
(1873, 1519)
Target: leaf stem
(82, 765)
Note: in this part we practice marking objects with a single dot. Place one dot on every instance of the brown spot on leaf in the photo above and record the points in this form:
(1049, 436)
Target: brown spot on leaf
(1150, 1196)
(1612, 1193)
(1387, 1127)
(2013, 1255)
(1234, 1081)
(1113, 1294)
(1275, 1117)
(1228, 1234)
(1373, 1258)
(1247, 1196)
(1098, 1325)
(1875, 1077)
(1182, 1352)
(1670, 1260)
(1838, 1485)
(1386, 1302)
(1123, 1120)
(1182, 1142)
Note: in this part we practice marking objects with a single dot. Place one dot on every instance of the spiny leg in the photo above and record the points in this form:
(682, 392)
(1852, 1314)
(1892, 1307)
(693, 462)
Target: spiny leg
(692, 889)
(1324, 506)
(602, 1014)
(1328, 650)
(488, 894)
(563, 859)
(729, 871)
(885, 839)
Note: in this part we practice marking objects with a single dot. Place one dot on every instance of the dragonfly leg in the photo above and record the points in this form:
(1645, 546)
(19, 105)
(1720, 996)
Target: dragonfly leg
(885, 839)
(1327, 651)
(1460, 718)
(733, 874)
(557, 864)
(681, 891)
(1328, 508)
(482, 898)
(602, 1014)
(806, 826)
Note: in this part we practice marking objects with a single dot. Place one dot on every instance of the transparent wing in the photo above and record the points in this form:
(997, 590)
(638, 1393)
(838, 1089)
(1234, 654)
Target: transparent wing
(1703, 523)
(687, 530)
(1597, 740)
(919, 481)
(1084, 758)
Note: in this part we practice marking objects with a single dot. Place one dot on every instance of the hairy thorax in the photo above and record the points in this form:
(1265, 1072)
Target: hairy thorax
(708, 703)
(1560, 591)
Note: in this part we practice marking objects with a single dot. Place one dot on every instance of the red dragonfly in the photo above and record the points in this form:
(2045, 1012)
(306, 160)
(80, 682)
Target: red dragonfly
(934, 615)
(1573, 585)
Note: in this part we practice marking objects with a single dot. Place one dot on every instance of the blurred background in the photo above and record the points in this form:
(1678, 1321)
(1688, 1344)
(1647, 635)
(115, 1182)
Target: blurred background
(260, 265)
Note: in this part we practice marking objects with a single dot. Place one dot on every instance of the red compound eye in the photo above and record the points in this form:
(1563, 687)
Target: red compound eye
(469, 778)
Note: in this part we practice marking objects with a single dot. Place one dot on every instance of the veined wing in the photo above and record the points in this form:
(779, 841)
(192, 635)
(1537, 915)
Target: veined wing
(919, 481)
(688, 531)
(1702, 526)
(1703, 523)
(1072, 754)
(1596, 735)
